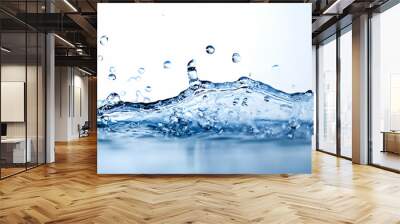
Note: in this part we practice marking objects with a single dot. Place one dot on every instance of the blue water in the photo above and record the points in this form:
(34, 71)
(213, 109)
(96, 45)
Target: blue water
(198, 156)
(244, 126)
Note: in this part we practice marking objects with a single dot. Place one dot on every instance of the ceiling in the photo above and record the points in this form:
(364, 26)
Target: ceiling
(75, 22)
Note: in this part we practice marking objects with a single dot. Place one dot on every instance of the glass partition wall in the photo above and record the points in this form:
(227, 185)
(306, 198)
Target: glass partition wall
(385, 89)
(22, 77)
(327, 96)
(334, 114)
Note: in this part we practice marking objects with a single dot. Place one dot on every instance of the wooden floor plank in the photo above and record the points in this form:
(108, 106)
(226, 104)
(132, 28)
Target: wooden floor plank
(70, 191)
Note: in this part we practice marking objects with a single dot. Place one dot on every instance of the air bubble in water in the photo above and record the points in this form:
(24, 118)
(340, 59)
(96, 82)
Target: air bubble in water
(112, 76)
(235, 101)
(100, 58)
(210, 49)
(113, 98)
(140, 70)
(167, 64)
(244, 102)
(103, 40)
(148, 89)
(112, 69)
(236, 58)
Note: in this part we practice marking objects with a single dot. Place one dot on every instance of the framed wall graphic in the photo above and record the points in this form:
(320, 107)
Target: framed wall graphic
(204, 88)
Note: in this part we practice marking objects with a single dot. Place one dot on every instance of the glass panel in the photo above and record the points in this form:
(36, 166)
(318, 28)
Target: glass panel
(327, 96)
(13, 88)
(386, 89)
(41, 98)
(31, 98)
(346, 94)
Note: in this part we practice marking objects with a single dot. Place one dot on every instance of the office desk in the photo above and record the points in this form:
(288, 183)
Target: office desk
(391, 141)
(15, 148)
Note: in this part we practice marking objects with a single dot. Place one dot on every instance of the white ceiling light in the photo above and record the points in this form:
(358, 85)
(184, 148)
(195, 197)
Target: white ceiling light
(65, 41)
(70, 5)
(84, 71)
(5, 50)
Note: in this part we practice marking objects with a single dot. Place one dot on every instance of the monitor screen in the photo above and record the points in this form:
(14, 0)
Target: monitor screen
(3, 129)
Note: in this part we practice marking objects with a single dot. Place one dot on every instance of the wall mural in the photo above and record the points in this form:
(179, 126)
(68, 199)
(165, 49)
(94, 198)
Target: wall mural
(204, 88)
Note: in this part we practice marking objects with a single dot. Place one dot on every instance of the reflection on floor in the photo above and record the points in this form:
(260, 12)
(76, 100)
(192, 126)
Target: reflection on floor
(10, 171)
(387, 159)
(70, 191)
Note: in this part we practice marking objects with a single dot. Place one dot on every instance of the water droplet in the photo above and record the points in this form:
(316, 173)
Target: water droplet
(192, 72)
(112, 69)
(191, 63)
(122, 93)
(205, 97)
(139, 96)
(138, 93)
(266, 98)
(293, 86)
(210, 49)
(100, 58)
(103, 40)
(113, 98)
(146, 100)
(134, 77)
(236, 58)
(112, 77)
(167, 64)
(147, 88)
(140, 70)
(275, 68)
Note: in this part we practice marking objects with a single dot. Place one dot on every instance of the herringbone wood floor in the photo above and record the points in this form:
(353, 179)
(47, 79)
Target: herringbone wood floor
(70, 191)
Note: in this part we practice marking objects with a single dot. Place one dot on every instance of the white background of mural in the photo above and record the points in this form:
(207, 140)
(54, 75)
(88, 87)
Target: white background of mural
(154, 33)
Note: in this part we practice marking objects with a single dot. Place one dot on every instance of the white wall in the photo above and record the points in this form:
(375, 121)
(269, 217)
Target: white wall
(71, 102)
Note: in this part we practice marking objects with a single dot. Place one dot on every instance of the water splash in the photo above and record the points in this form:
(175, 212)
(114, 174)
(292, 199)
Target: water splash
(244, 109)
(112, 99)
(236, 58)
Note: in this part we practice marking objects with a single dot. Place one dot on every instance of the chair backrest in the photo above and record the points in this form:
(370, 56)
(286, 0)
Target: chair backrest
(86, 125)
